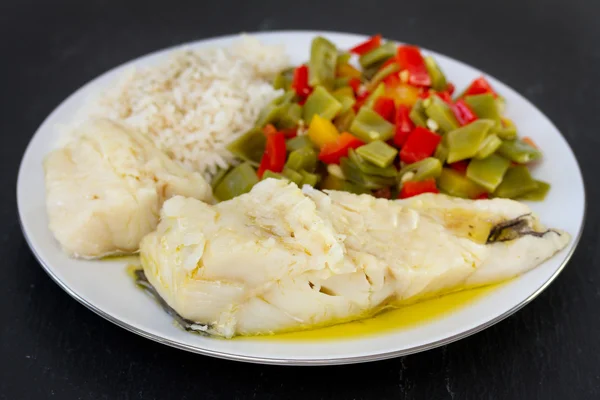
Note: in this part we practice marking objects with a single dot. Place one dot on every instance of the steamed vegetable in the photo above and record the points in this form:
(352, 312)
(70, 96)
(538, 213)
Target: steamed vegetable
(274, 156)
(488, 172)
(381, 119)
(464, 142)
(333, 151)
(369, 126)
(320, 102)
(378, 153)
(239, 181)
(322, 131)
(322, 64)
(369, 168)
(414, 188)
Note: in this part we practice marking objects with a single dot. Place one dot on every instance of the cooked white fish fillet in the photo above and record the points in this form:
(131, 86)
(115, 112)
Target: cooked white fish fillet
(280, 259)
(105, 189)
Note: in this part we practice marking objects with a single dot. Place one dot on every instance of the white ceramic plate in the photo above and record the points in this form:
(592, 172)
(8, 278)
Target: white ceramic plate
(106, 289)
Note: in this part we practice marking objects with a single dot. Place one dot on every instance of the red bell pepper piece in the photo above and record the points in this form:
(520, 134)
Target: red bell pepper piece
(450, 88)
(480, 86)
(386, 107)
(274, 156)
(445, 96)
(463, 113)
(354, 83)
(392, 80)
(300, 81)
(290, 133)
(404, 125)
(460, 166)
(371, 44)
(410, 58)
(421, 143)
(332, 152)
(414, 188)
(269, 129)
(482, 196)
(425, 94)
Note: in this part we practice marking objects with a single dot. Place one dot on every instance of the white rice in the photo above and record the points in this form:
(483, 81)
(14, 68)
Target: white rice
(196, 101)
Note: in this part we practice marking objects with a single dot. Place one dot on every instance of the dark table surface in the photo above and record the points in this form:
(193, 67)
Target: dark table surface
(53, 347)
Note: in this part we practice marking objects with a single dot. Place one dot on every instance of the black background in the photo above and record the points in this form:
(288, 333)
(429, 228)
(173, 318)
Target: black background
(53, 347)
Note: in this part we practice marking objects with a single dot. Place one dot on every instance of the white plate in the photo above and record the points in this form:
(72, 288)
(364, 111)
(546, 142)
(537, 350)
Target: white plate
(106, 289)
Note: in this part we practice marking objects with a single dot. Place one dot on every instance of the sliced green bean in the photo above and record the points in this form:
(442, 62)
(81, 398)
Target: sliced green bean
(291, 116)
(378, 153)
(464, 142)
(429, 167)
(379, 91)
(354, 174)
(292, 175)
(417, 114)
(440, 112)
(283, 80)
(270, 114)
(369, 73)
(488, 172)
(341, 82)
(519, 151)
(354, 188)
(506, 132)
(321, 102)
(218, 177)
(343, 58)
(270, 174)
(346, 97)
(331, 182)
(323, 59)
(344, 120)
(438, 80)
(538, 194)
(298, 142)
(456, 184)
(484, 106)
(304, 158)
(371, 169)
(442, 151)
(378, 55)
(250, 146)
(381, 74)
(516, 183)
(488, 146)
(237, 182)
(286, 98)
(309, 178)
(369, 126)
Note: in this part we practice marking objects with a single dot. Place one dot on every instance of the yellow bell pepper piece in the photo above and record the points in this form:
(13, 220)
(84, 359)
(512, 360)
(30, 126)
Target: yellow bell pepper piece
(347, 70)
(321, 131)
(403, 94)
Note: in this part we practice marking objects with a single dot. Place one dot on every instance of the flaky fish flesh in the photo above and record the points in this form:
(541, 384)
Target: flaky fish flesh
(105, 189)
(280, 258)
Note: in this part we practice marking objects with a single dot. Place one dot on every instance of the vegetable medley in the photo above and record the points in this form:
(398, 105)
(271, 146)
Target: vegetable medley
(392, 128)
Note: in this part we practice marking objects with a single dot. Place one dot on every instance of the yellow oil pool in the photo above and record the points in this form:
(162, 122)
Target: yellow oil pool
(396, 319)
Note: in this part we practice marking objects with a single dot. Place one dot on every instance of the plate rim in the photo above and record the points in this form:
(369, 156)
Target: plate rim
(291, 361)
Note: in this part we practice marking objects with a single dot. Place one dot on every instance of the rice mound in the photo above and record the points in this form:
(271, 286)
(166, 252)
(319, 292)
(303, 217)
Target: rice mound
(195, 102)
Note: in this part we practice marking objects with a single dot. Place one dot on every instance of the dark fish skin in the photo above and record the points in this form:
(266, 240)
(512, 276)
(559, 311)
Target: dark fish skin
(142, 281)
(514, 229)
